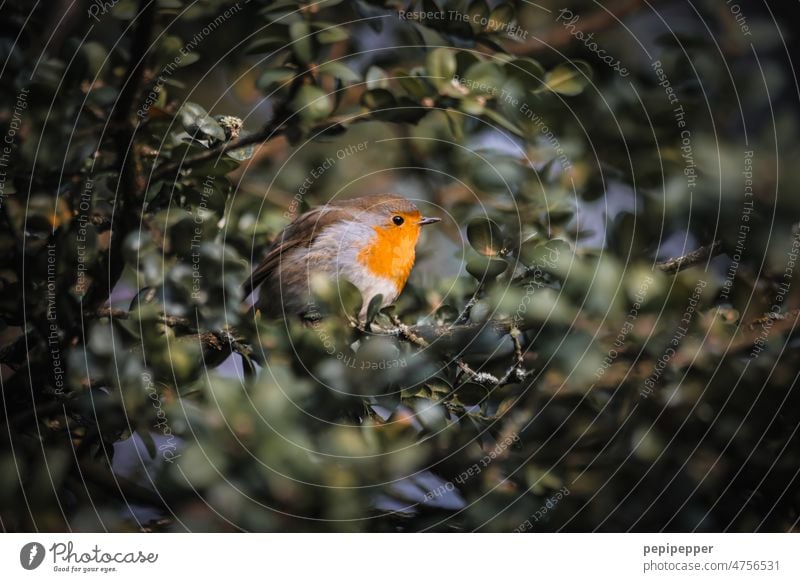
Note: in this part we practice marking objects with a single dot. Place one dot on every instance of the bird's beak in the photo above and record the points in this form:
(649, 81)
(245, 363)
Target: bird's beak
(428, 220)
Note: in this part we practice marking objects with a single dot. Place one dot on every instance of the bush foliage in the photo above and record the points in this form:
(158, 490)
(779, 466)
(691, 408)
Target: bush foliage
(598, 336)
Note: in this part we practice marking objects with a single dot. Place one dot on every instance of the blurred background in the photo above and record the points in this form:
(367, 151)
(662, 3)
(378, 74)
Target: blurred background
(550, 365)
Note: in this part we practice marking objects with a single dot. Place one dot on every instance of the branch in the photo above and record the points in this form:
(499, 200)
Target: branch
(758, 330)
(131, 177)
(411, 335)
(518, 367)
(273, 129)
(464, 315)
(110, 266)
(168, 320)
(136, 65)
(769, 318)
(218, 340)
(228, 340)
(169, 168)
(691, 259)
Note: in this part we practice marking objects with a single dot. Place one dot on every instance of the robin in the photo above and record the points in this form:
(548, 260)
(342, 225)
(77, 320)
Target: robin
(369, 241)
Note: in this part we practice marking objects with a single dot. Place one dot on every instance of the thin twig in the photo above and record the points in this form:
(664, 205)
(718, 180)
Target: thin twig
(772, 316)
(757, 331)
(690, 259)
(463, 317)
(410, 334)
(168, 320)
(519, 364)
(273, 129)
(170, 168)
(219, 340)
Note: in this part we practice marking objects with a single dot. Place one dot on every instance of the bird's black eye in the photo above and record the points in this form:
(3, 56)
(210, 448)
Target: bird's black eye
(398, 220)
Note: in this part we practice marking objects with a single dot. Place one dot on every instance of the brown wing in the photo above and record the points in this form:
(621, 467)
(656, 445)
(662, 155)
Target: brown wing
(301, 232)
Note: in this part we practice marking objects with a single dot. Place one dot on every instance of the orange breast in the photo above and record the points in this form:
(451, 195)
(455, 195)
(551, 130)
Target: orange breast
(390, 253)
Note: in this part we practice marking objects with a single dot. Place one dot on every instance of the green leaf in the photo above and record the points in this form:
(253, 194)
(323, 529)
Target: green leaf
(208, 126)
(169, 47)
(549, 306)
(280, 5)
(472, 106)
(454, 121)
(283, 12)
(485, 236)
(189, 59)
(487, 40)
(374, 308)
(569, 79)
(477, 12)
(340, 71)
(441, 64)
(312, 104)
(503, 122)
(484, 78)
(105, 97)
(550, 254)
(628, 235)
(486, 268)
(241, 154)
(378, 99)
(266, 45)
(333, 34)
(276, 76)
(96, 57)
(405, 110)
(190, 113)
(529, 71)
(195, 120)
(349, 297)
(302, 45)
(413, 85)
(377, 78)
(501, 18)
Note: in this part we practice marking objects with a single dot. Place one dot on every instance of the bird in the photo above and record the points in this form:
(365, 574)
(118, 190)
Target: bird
(369, 241)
